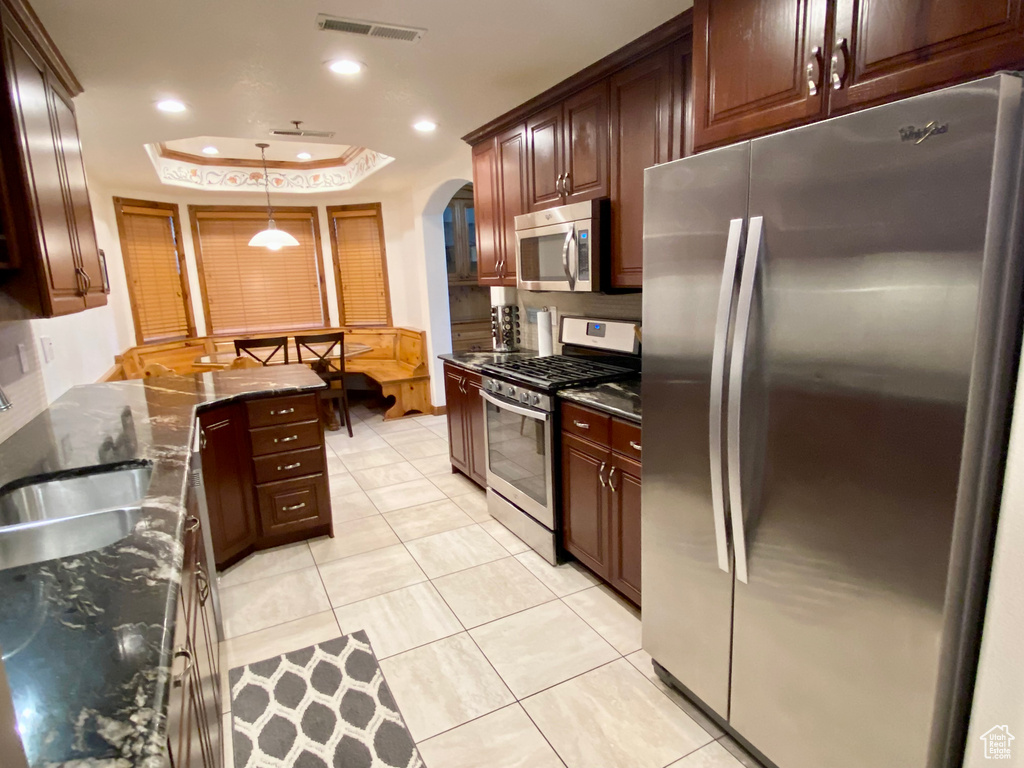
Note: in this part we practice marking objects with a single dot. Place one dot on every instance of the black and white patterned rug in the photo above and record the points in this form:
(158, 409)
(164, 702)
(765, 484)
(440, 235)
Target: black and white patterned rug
(326, 706)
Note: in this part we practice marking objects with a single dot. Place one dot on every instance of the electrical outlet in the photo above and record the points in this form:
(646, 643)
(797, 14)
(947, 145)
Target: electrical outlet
(531, 315)
(26, 364)
(47, 344)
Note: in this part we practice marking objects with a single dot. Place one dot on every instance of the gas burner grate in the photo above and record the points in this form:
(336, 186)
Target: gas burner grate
(556, 370)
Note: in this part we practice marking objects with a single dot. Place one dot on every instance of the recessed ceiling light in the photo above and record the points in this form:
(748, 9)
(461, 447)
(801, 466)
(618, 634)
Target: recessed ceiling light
(425, 126)
(170, 105)
(345, 67)
(304, 156)
(210, 151)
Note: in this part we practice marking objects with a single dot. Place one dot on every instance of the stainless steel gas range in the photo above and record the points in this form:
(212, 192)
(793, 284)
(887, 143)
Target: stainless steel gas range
(520, 423)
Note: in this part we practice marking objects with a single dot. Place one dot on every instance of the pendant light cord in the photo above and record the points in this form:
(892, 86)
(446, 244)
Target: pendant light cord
(266, 180)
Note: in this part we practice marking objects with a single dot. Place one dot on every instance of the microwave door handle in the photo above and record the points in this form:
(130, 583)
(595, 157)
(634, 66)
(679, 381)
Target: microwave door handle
(565, 256)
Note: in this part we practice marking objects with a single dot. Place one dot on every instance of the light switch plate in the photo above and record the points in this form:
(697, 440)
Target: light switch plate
(47, 344)
(26, 364)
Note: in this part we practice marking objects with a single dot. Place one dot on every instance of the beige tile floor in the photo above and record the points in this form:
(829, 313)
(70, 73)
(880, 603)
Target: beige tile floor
(494, 657)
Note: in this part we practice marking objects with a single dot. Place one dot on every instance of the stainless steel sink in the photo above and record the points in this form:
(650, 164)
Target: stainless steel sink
(69, 516)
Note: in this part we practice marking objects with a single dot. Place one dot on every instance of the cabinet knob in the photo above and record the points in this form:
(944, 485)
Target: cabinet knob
(581, 424)
(282, 412)
(288, 439)
(191, 524)
(286, 467)
(634, 445)
(293, 507)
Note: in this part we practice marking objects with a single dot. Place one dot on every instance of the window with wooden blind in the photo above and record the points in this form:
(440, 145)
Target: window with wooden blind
(155, 267)
(360, 262)
(252, 290)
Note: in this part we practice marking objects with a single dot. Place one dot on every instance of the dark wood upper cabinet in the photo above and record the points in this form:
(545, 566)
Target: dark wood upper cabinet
(642, 136)
(512, 185)
(884, 48)
(585, 144)
(544, 165)
(486, 211)
(759, 65)
(54, 261)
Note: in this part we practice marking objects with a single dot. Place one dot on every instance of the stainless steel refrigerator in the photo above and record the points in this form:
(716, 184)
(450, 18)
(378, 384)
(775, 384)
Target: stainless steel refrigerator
(831, 317)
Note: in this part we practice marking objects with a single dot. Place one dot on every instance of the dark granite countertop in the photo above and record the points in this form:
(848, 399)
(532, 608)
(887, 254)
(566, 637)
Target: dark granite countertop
(619, 398)
(88, 638)
(473, 361)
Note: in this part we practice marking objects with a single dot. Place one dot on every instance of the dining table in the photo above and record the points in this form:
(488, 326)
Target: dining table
(222, 358)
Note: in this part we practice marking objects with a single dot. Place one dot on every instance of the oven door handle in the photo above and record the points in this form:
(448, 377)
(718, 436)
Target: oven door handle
(516, 409)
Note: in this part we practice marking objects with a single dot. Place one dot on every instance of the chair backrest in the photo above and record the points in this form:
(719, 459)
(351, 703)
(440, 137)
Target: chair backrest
(325, 352)
(275, 344)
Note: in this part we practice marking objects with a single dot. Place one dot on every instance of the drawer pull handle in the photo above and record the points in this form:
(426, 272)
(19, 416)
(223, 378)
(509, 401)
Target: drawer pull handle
(634, 445)
(282, 412)
(293, 507)
(191, 524)
(600, 474)
(186, 654)
(296, 465)
(611, 481)
(581, 424)
(286, 439)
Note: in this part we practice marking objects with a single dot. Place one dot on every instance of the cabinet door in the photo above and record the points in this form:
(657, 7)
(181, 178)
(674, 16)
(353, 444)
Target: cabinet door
(41, 163)
(585, 512)
(544, 166)
(624, 485)
(886, 49)
(485, 207)
(477, 451)
(586, 144)
(227, 476)
(682, 99)
(512, 181)
(455, 399)
(755, 66)
(641, 116)
(84, 231)
(207, 657)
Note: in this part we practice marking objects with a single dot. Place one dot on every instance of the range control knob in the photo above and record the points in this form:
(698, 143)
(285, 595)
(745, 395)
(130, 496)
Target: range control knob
(524, 397)
(536, 400)
(511, 391)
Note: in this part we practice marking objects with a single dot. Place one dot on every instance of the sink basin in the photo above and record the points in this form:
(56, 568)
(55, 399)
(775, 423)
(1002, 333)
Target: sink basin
(66, 516)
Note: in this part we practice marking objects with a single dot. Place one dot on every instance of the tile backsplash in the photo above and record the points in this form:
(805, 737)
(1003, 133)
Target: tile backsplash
(624, 306)
(26, 391)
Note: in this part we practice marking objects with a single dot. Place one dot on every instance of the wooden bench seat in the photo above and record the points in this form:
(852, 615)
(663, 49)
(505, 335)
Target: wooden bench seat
(395, 362)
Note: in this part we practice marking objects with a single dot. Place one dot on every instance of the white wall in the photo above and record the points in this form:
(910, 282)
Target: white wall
(999, 692)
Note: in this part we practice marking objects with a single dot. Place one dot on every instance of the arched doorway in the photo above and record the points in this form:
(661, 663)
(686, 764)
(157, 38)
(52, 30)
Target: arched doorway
(469, 304)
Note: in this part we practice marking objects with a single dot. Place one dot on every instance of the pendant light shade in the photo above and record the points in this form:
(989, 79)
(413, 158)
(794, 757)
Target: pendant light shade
(271, 238)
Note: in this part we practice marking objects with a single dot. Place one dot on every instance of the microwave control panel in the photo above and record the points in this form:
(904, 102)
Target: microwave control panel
(583, 255)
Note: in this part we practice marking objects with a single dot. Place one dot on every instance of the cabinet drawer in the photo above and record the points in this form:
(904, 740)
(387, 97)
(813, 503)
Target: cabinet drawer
(626, 438)
(278, 466)
(586, 423)
(281, 410)
(293, 504)
(286, 437)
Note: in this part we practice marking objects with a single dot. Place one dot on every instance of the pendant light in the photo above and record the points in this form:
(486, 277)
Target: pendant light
(271, 237)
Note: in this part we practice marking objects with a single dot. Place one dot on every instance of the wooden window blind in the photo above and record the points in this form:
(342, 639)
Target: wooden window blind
(254, 290)
(155, 267)
(357, 239)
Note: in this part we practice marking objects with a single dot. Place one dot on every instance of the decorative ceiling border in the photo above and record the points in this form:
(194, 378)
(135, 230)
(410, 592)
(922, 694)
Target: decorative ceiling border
(234, 178)
(300, 165)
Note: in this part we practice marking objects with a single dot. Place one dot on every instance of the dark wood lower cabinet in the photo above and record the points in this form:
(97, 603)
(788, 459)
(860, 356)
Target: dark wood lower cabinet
(601, 497)
(465, 410)
(194, 704)
(264, 468)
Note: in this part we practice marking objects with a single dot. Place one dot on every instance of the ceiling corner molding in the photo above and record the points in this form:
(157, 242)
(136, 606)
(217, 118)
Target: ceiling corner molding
(26, 18)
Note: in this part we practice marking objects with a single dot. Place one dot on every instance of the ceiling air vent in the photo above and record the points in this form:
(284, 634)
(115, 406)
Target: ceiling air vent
(369, 28)
(304, 132)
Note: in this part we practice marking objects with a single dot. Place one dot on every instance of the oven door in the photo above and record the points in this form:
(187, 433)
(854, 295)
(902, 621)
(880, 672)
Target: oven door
(543, 257)
(520, 456)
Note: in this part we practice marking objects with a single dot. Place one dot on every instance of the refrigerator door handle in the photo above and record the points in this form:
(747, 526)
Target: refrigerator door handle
(725, 298)
(739, 350)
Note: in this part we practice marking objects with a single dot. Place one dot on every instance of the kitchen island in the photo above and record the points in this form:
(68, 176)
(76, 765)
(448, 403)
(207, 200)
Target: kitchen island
(87, 639)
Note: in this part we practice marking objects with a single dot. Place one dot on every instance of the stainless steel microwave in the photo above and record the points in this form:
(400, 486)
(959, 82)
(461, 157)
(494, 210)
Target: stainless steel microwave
(562, 249)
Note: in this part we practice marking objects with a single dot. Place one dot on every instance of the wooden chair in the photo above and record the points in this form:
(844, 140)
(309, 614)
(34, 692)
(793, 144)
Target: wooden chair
(329, 363)
(275, 344)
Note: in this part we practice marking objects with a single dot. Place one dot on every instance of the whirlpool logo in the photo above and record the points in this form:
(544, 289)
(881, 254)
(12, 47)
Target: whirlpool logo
(918, 135)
